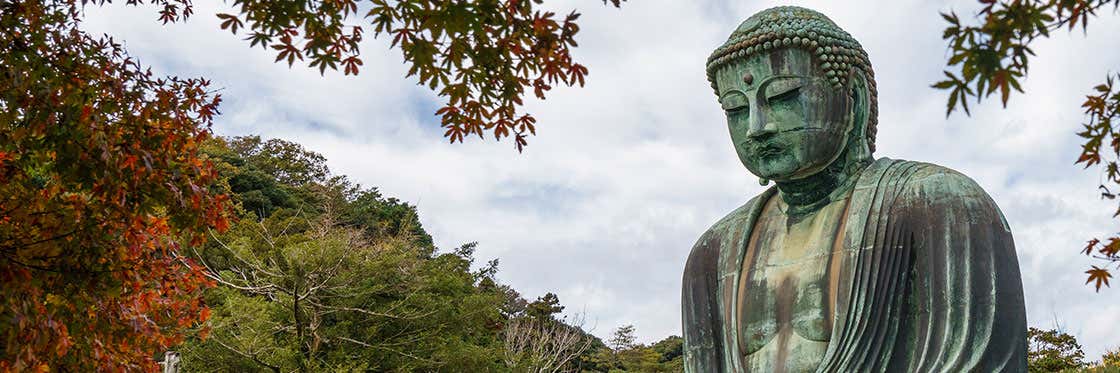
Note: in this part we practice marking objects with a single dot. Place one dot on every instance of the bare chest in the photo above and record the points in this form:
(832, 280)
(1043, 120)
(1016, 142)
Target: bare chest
(784, 299)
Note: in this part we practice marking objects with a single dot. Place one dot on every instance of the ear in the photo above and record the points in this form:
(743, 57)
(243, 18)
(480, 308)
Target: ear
(860, 94)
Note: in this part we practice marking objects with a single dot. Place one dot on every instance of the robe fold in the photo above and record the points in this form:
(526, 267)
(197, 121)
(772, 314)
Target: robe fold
(925, 279)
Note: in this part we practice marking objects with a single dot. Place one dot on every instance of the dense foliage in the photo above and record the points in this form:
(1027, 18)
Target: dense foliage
(624, 354)
(994, 55)
(332, 276)
(1052, 351)
(319, 274)
(101, 183)
(1055, 351)
(1111, 358)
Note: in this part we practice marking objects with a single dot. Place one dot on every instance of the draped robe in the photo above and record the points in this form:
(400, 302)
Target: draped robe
(926, 280)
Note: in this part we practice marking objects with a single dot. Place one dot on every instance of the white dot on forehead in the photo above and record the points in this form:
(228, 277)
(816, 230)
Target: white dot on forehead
(748, 78)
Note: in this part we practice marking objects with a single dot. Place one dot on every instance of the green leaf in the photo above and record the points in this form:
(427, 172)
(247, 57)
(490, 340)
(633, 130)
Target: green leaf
(944, 84)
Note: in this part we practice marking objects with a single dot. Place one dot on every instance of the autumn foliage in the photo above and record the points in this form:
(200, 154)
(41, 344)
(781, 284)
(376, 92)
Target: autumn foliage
(1103, 108)
(100, 184)
(481, 55)
(101, 178)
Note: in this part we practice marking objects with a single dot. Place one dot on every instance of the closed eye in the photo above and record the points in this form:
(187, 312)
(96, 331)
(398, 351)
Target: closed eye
(737, 110)
(734, 102)
(787, 95)
(783, 88)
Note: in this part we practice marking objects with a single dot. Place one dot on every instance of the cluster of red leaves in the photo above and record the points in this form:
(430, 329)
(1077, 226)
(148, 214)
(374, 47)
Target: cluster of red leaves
(1103, 108)
(101, 180)
(482, 55)
(1100, 275)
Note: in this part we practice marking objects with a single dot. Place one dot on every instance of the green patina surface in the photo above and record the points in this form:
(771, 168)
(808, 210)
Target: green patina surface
(848, 263)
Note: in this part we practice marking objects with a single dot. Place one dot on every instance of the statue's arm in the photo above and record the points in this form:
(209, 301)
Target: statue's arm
(699, 307)
(702, 315)
(965, 290)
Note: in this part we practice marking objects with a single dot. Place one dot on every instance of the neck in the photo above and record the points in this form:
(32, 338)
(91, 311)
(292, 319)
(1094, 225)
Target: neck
(807, 195)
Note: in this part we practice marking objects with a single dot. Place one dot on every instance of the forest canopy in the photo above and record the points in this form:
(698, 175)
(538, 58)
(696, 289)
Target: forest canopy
(319, 273)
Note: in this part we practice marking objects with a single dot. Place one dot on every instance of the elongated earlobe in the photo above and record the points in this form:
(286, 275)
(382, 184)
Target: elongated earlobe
(861, 110)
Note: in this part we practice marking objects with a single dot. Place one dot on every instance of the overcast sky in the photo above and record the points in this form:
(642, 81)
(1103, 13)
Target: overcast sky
(604, 205)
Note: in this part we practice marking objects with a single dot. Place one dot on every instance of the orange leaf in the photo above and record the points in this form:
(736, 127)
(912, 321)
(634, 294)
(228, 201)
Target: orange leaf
(1100, 275)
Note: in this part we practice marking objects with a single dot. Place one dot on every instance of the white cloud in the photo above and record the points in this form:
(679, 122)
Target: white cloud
(628, 171)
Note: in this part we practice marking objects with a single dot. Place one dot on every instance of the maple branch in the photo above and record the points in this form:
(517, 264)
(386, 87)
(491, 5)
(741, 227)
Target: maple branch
(32, 266)
(33, 243)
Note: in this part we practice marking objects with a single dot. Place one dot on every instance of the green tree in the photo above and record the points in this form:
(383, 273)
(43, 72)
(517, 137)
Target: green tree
(1052, 351)
(545, 307)
(319, 297)
(994, 55)
(640, 358)
(378, 216)
(283, 161)
(263, 181)
(623, 338)
(596, 358)
(308, 287)
(671, 350)
(625, 354)
(1111, 358)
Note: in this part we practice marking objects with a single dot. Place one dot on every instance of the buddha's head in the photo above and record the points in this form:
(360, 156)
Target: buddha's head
(798, 92)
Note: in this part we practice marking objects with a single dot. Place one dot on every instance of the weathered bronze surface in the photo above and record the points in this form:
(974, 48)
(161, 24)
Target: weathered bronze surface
(849, 263)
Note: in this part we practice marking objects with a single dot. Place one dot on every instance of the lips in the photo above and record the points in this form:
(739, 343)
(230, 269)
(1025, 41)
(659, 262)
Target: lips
(767, 150)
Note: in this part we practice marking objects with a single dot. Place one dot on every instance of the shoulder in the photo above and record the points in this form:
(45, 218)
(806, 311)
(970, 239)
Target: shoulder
(706, 250)
(943, 191)
(934, 183)
(739, 216)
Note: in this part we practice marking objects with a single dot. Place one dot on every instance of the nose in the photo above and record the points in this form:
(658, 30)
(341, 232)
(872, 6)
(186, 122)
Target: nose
(762, 128)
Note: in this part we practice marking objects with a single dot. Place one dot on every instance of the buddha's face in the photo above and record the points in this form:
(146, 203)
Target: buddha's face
(786, 120)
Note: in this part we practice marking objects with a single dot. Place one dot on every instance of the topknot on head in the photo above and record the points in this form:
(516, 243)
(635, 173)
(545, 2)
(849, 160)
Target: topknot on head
(789, 26)
(781, 14)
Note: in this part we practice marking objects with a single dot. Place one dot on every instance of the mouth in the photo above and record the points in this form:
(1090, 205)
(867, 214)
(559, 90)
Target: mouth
(767, 150)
